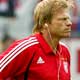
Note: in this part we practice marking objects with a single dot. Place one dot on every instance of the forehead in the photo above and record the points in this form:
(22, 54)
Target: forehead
(62, 13)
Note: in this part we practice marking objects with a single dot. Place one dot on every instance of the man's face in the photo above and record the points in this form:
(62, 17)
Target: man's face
(61, 25)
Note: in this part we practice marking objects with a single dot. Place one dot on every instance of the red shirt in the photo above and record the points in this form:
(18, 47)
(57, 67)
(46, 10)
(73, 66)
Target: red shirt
(45, 65)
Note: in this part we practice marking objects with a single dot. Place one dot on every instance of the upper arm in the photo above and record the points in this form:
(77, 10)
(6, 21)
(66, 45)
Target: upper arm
(14, 60)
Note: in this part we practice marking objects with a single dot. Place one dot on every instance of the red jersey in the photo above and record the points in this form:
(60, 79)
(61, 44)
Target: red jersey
(45, 65)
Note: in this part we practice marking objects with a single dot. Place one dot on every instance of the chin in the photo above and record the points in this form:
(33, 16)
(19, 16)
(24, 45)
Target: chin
(67, 36)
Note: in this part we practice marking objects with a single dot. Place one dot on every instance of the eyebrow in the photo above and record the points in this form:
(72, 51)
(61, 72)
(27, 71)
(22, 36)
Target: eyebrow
(64, 17)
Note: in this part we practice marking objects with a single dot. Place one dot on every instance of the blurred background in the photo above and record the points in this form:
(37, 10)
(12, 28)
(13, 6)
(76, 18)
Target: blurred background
(16, 22)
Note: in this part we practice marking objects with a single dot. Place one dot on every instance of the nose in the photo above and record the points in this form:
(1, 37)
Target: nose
(69, 23)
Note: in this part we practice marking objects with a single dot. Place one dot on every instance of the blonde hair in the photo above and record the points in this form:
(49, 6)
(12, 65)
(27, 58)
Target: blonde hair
(45, 11)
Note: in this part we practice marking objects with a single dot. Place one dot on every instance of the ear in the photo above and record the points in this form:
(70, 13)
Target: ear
(46, 25)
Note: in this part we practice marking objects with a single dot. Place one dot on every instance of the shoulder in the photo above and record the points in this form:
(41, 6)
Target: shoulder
(63, 45)
(65, 49)
(19, 46)
(26, 43)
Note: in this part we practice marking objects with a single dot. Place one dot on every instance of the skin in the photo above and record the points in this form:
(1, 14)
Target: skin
(60, 27)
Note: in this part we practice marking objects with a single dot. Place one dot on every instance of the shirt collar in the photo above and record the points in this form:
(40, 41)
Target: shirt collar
(45, 45)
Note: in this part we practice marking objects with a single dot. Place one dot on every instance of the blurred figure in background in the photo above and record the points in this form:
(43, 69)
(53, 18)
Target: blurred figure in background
(7, 14)
(5, 38)
(41, 56)
(7, 8)
(6, 42)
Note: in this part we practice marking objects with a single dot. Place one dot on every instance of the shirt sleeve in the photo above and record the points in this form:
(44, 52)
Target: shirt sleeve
(14, 60)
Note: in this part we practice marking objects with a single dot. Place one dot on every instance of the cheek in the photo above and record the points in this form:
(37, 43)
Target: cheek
(57, 27)
(55, 30)
(61, 27)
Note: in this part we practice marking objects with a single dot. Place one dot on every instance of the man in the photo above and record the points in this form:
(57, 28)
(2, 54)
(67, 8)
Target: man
(41, 56)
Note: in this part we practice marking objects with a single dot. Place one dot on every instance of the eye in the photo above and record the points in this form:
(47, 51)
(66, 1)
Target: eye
(64, 19)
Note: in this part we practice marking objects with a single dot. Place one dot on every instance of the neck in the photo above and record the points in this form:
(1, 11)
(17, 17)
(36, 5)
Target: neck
(52, 41)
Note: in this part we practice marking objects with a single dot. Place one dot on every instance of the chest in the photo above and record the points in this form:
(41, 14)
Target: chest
(49, 65)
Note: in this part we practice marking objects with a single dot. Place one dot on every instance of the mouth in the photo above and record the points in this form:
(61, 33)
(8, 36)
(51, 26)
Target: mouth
(67, 31)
